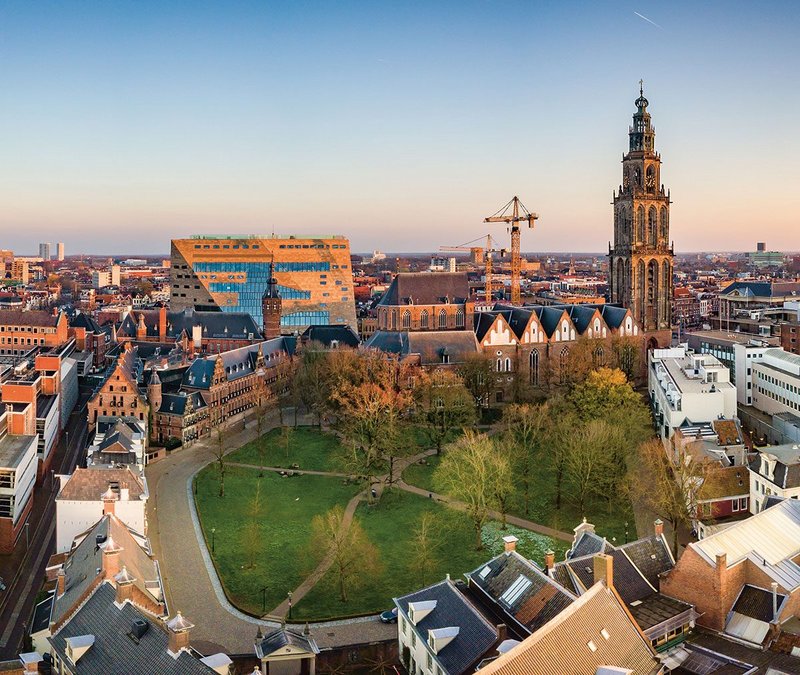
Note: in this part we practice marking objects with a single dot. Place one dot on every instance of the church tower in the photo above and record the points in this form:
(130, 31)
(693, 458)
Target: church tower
(641, 261)
(271, 307)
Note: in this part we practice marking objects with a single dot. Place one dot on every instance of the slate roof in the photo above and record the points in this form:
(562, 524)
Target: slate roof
(756, 603)
(176, 404)
(629, 583)
(763, 289)
(113, 651)
(122, 436)
(787, 464)
(83, 562)
(429, 345)
(237, 362)
(426, 288)
(282, 637)
(562, 645)
(82, 320)
(214, 325)
(651, 556)
(475, 637)
(325, 335)
(542, 600)
(589, 543)
(656, 609)
(389, 342)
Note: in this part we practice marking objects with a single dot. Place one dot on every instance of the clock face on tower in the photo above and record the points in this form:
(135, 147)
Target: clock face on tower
(651, 180)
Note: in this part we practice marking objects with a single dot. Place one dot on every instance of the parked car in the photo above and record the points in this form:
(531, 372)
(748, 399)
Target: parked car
(389, 616)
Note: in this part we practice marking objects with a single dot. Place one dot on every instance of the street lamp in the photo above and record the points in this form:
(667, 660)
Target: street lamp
(213, 547)
(290, 605)
(626, 531)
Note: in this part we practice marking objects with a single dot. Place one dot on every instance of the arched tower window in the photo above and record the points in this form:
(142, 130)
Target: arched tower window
(650, 181)
(664, 226)
(598, 357)
(442, 319)
(640, 225)
(652, 226)
(563, 362)
(423, 318)
(652, 294)
(459, 319)
(406, 319)
(508, 365)
(534, 364)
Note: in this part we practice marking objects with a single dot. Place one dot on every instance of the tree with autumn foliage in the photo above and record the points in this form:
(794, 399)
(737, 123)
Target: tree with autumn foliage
(442, 405)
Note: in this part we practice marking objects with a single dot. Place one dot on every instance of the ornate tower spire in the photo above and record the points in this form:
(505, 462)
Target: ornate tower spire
(271, 306)
(640, 262)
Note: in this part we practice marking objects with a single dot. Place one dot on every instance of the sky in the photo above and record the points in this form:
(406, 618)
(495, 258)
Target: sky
(398, 124)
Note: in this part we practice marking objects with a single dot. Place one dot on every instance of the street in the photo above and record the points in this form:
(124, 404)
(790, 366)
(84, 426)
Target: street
(24, 569)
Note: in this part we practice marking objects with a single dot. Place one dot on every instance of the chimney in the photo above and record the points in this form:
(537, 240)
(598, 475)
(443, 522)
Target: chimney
(659, 527)
(162, 323)
(124, 582)
(110, 558)
(502, 632)
(179, 629)
(510, 543)
(109, 497)
(549, 560)
(61, 582)
(774, 601)
(30, 661)
(604, 569)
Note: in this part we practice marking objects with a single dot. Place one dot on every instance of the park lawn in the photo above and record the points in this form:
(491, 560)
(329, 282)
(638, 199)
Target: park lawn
(287, 506)
(421, 475)
(309, 448)
(390, 527)
(609, 517)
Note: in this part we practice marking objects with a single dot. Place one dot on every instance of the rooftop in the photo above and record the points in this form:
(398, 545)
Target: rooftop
(14, 448)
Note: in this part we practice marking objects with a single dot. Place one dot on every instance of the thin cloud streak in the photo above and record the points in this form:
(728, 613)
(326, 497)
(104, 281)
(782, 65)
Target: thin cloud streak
(642, 16)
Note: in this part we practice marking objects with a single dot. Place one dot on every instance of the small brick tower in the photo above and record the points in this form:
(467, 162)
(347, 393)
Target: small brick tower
(271, 307)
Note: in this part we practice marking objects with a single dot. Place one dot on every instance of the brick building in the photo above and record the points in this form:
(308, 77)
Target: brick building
(21, 331)
(90, 337)
(230, 274)
(745, 579)
(119, 395)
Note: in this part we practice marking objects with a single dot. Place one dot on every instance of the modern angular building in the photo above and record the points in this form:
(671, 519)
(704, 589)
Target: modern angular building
(231, 273)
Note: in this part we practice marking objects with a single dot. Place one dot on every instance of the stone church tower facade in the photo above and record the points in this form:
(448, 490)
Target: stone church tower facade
(641, 260)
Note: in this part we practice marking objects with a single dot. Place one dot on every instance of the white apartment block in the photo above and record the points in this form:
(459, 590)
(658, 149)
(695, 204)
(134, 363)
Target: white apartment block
(776, 382)
(688, 388)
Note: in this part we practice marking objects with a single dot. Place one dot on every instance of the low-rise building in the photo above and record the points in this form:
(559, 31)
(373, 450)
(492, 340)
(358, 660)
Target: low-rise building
(688, 388)
(776, 382)
(774, 471)
(18, 464)
(87, 494)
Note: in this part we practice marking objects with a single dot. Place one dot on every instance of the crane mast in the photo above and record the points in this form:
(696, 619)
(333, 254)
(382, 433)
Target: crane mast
(514, 213)
(486, 253)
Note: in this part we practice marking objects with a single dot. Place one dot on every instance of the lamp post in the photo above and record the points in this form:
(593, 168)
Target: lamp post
(290, 605)
(626, 531)
(213, 542)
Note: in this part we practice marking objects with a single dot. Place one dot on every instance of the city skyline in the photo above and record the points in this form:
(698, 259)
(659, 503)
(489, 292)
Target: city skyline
(400, 129)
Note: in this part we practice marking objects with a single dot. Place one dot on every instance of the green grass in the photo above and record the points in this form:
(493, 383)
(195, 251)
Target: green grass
(421, 475)
(390, 526)
(287, 507)
(309, 448)
(609, 517)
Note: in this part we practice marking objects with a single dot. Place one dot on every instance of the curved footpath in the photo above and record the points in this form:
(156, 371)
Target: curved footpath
(188, 572)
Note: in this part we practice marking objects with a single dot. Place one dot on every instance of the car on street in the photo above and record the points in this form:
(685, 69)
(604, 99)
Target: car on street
(389, 616)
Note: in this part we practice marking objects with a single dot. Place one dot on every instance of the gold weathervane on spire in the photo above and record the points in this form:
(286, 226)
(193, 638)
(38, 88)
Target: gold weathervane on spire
(641, 87)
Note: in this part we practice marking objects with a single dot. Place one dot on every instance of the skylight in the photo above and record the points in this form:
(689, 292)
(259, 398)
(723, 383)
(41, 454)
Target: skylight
(515, 590)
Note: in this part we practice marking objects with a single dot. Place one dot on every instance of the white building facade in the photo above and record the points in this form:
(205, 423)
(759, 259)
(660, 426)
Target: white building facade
(776, 471)
(688, 388)
(776, 382)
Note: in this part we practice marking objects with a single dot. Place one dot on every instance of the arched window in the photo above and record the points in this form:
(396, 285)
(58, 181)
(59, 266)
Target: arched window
(664, 226)
(640, 224)
(508, 365)
(406, 319)
(423, 319)
(598, 357)
(394, 319)
(652, 226)
(459, 319)
(563, 362)
(534, 364)
(499, 366)
(442, 319)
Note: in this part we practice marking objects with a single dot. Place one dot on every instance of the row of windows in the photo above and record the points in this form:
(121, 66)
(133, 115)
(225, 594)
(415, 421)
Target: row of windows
(286, 292)
(313, 246)
(261, 268)
(26, 329)
(424, 319)
(22, 341)
(305, 319)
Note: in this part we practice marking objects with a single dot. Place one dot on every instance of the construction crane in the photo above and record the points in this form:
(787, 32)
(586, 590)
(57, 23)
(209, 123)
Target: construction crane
(514, 213)
(478, 253)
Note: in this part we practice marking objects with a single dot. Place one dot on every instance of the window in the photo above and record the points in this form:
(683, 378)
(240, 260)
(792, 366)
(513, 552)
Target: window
(515, 590)
(459, 319)
(442, 319)
(423, 319)
(406, 319)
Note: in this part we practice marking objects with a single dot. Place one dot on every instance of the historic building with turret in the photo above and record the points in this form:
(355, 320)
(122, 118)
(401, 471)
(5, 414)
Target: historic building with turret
(641, 260)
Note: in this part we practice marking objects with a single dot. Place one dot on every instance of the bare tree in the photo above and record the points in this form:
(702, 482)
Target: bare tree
(423, 559)
(475, 472)
(251, 534)
(355, 559)
(589, 460)
(442, 405)
(219, 458)
(526, 428)
(669, 483)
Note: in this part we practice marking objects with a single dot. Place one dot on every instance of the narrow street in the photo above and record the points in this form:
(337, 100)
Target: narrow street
(23, 570)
